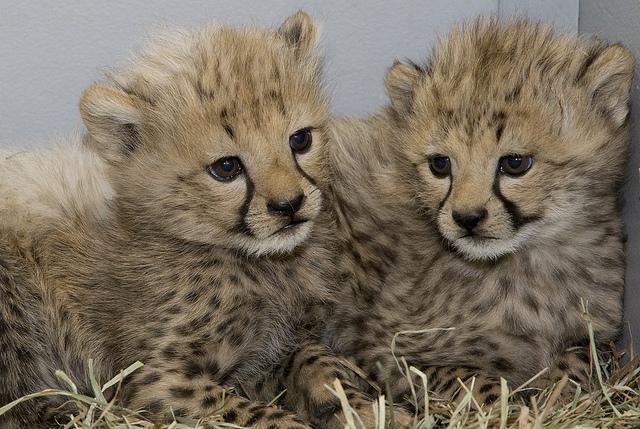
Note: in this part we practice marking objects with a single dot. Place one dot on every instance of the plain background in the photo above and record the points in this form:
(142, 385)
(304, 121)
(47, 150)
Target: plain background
(52, 50)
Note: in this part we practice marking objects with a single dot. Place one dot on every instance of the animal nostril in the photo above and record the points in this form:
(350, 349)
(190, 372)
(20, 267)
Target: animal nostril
(288, 207)
(469, 219)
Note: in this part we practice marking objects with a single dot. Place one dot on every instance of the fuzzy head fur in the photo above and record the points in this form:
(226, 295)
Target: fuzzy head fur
(197, 97)
(495, 90)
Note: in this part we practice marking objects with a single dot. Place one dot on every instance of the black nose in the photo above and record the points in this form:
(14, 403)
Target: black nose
(286, 208)
(469, 219)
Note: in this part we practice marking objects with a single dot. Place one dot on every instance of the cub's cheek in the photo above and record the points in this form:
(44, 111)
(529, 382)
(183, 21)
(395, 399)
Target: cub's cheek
(530, 192)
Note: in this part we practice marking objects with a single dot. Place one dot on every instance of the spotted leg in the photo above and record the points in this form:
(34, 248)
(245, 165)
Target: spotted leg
(162, 392)
(304, 377)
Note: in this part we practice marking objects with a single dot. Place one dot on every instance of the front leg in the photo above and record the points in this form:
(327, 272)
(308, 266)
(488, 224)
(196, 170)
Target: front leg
(305, 374)
(161, 393)
(575, 363)
(445, 382)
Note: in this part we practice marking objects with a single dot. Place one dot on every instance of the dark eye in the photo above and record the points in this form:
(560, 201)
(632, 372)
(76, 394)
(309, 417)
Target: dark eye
(515, 165)
(300, 141)
(440, 165)
(225, 169)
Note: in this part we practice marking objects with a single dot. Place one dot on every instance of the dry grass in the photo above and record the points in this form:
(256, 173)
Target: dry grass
(613, 402)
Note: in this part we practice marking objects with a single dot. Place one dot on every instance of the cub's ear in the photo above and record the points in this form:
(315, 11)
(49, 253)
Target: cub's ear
(300, 32)
(608, 80)
(401, 82)
(114, 121)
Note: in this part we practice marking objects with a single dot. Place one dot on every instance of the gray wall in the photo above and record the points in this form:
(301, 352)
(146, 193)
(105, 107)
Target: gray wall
(52, 50)
(619, 20)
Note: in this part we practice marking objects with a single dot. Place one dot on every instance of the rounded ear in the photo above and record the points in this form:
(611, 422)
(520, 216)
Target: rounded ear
(608, 80)
(401, 82)
(300, 32)
(113, 120)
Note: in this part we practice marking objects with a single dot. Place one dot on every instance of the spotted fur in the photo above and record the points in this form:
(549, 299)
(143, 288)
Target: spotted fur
(139, 254)
(512, 290)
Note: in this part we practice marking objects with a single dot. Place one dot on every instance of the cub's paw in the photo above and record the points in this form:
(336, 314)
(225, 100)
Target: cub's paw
(364, 408)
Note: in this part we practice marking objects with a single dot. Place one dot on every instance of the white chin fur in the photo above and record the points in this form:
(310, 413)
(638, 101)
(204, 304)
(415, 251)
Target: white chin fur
(281, 243)
(484, 250)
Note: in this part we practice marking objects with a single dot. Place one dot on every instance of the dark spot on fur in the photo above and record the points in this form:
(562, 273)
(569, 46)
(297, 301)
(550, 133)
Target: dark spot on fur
(214, 301)
(448, 384)
(505, 286)
(246, 270)
(477, 352)
(155, 407)
(514, 94)
(226, 325)
(498, 121)
(208, 402)
(181, 412)
(502, 364)
(532, 303)
(277, 415)
(181, 392)
(228, 129)
(486, 387)
(174, 309)
(491, 398)
(193, 369)
(230, 416)
(257, 415)
(151, 378)
(192, 297)
(200, 322)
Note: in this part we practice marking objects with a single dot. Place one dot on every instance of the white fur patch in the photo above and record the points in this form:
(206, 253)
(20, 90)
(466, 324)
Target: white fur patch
(42, 186)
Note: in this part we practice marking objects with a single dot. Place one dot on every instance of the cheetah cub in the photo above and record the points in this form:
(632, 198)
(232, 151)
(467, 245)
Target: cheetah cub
(485, 198)
(212, 245)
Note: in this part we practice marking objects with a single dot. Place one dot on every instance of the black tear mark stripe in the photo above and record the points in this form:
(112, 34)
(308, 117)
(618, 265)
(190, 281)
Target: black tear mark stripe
(517, 218)
(446, 197)
(302, 172)
(242, 227)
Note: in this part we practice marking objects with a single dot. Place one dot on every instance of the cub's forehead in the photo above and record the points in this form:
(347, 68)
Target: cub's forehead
(497, 59)
(218, 64)
(489, 72)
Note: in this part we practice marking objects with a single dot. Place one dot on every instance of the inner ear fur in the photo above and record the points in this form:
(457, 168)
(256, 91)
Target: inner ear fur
(113, 119)
(608, 80)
